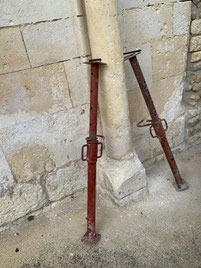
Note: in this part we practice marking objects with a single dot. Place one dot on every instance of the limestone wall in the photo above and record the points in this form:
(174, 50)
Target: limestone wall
(43, 95)
(193, 86)
(161, 30)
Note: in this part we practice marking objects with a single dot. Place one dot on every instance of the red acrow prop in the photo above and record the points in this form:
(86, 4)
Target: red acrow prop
(93, 150)
(156, 123)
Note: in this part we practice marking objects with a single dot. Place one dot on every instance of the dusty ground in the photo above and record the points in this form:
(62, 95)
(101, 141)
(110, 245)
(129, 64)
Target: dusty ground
(163, 229)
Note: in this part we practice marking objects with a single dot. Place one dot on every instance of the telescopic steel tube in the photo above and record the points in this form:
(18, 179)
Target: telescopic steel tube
(156, 122)
(92, 155)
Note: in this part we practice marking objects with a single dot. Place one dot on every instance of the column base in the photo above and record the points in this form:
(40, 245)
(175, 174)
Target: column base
(124, 180)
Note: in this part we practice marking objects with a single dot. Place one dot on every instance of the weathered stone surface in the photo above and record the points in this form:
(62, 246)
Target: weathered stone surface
(196, 27)
(182, 18)
(41, 134)
(191, 101)
(6, 177)
(34, 91)
(194, 97)
(195, 43)
(195, 66)
(195, 77)
(143, 145)
(176, 132)
(196, 56)
(24, 199)
(76, 7)
(30, 162)
(145, 63)
(192, 113)
(28, 11)
(81, 35)
(193, 139)
(62, 134)
(196, 87)
(51, 42)
(78, 76)
(188, 87)
(143, 25)
(122, 179)
(67, 180)
(12, 52)
(169, 57)
(193, 121)
(127, 4)
(194, 13)
(162, 93)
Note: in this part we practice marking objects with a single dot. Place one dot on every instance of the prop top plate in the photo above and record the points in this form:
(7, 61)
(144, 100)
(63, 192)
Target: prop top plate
(95, 61)
(131, 54)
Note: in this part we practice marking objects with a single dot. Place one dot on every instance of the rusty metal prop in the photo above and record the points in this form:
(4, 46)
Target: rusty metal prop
(93, 150)
(156, 124)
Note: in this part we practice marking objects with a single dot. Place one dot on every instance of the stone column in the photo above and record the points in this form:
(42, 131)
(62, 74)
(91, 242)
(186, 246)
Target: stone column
(119, 164)
(104, 35)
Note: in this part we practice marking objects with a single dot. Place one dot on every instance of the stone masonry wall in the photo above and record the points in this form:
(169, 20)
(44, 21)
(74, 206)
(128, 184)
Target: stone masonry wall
(43, 96)
(192, 95)
(161, 29)
(44, 91)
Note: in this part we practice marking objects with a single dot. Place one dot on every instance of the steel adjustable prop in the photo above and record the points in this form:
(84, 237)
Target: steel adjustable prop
(158, 125)
(90, 153)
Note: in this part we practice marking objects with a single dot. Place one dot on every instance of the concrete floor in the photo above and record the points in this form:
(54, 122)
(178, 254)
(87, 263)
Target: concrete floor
(162, 229)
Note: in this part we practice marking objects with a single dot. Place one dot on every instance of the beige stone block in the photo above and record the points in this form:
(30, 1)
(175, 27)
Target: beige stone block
(127, 4)
(24, 199)
(67, 180)
(145, 60)
(196, 87)
(137, 107)
(6, 176)
(182, 18)
(195, 66)
(60, 135)
(194, 97)
(192, 113)
(196, 56)
(161, 91)
(176, 131)
(34, 91)
(12, 52)
(143, 144)
(28, 11)
(195, 43)
(169, 57)
(196, 27)
(191, 100)
(193, 121)
(143, 25)
(30, 162)
(195, 77)
(81, 35)
(78, 76)
(51, 42)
